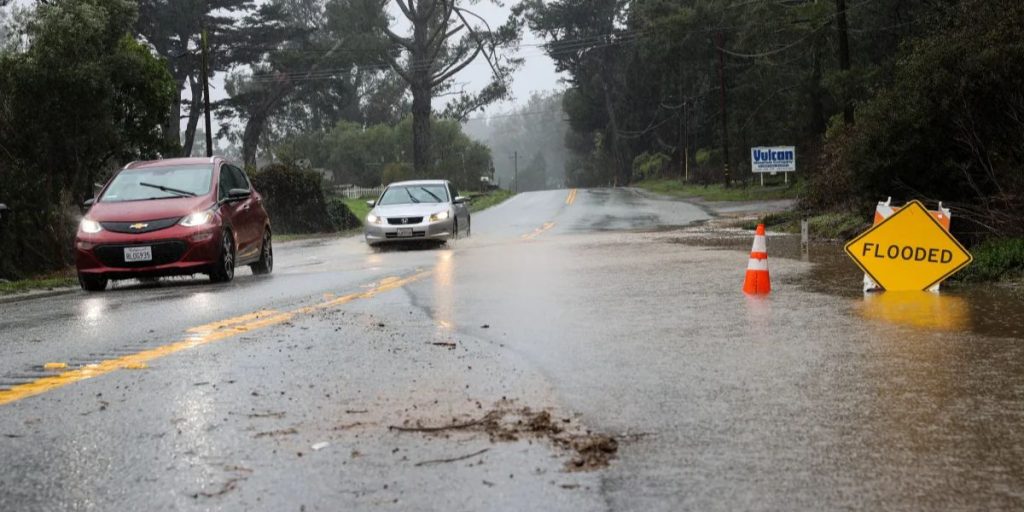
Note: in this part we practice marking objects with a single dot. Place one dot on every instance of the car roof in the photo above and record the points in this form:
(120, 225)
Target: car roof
(418, 182)
(168, 162)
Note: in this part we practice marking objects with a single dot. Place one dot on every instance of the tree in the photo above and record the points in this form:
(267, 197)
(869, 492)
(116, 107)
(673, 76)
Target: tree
(445, 37)
(237, 32)
(374, 155)
(584, 38)
(82, 97)
(950, 126)
(312, 77)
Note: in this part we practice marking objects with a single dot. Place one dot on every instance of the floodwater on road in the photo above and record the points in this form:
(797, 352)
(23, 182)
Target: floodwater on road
(819, 397)
(986, 309)
(565, 323)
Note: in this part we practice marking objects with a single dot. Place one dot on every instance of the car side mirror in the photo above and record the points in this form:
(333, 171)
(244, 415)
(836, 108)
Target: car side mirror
(372, 203)
(237, 194)
(459, 200)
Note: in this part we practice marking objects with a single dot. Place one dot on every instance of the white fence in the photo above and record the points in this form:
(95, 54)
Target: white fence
(357, 192)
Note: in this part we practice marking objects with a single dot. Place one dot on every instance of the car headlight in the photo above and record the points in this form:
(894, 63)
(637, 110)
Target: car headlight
(439, 216)
(90, 226)
(197, 219)
(374, 219)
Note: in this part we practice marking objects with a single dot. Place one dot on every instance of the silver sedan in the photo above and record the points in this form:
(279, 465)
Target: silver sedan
(417, 210)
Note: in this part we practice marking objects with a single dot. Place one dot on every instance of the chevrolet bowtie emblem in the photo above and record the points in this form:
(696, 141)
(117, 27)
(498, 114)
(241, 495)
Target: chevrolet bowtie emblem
(139, 225)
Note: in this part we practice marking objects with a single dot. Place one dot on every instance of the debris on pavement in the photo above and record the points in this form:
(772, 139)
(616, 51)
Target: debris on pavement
(277, 433)
(508, 423)
(320, 446)
(453, 459)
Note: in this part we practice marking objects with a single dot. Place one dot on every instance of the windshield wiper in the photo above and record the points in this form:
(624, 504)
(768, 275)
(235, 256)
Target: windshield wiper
(431, 194)
(411, 196)
(182, 193)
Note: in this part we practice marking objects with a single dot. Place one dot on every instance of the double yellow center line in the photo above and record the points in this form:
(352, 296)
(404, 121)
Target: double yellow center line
(197, 336)
(537, 232)
(569, 200)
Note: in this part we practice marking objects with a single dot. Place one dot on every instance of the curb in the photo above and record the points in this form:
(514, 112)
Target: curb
(18, 297)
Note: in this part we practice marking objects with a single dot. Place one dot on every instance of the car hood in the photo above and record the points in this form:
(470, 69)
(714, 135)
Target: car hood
(410, 210)
(153, 209)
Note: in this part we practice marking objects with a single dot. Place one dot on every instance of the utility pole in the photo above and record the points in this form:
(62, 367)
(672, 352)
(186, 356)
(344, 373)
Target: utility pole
(844, 54)
(206, 95)
(684, 135)
(720, 40)
(515, 182)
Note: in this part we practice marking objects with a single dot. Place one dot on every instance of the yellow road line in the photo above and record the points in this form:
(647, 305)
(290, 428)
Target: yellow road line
(537, 232)
(201, 335)
(571, 198)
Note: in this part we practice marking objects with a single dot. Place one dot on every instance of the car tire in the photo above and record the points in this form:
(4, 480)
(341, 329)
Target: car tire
(455, 231)
(469, 227)
(224, 270)
(266, 263)
(92, 283)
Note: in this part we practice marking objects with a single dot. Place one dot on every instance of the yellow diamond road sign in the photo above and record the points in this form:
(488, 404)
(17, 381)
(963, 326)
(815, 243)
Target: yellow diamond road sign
(908, 251)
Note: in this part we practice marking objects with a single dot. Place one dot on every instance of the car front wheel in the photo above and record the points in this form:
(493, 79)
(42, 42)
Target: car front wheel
(224, 270)
(92, 283)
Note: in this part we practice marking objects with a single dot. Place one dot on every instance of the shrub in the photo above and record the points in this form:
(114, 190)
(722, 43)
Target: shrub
(294, 199)
(647, 165)
(342, 217)
(995, 260)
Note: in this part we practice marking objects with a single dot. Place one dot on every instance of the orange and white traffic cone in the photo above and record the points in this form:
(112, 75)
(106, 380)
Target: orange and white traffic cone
(757, 281)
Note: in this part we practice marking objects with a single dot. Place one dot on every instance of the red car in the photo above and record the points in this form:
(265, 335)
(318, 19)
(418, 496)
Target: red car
(173, 217)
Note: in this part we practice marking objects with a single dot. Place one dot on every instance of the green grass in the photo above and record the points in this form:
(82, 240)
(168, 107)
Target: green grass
(47, 282)
(737, 192)
(785, 221)
(488, 199)
(826, 226)
(358, 207)
(836, 226)
(279, 237)
(995, 260)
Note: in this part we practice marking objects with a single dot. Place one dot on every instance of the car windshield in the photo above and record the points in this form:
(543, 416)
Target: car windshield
(159, 183)
(407, 194)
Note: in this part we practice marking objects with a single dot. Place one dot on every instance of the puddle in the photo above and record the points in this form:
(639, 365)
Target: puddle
(985, 309)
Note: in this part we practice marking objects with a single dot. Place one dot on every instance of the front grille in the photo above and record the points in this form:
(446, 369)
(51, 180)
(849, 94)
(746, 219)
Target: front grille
(163, 253)
(415, 234)
(397, 221)
(147, 226)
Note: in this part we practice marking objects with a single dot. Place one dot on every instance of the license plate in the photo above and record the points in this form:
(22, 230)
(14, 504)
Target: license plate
(404, 232)
(133, 254)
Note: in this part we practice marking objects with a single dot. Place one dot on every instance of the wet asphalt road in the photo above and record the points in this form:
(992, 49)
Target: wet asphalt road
(589, 306)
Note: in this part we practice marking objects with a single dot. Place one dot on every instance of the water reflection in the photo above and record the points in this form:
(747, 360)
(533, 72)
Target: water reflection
(200, 301)
(444, 296)
(923, 310)
(91, 310)
(759, 317)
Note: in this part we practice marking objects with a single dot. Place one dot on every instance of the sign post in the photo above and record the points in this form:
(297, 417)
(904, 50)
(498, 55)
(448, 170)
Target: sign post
(910, 250)
(772, 160)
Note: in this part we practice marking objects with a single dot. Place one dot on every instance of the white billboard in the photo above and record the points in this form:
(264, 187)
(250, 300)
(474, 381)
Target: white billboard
(773, 159)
